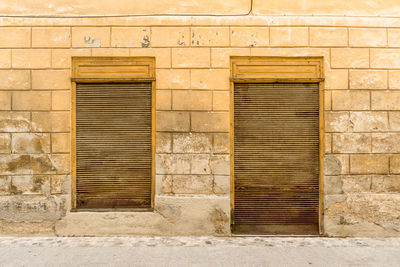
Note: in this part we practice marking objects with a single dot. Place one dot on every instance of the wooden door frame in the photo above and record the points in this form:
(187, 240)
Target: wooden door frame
(102, 75)
(270, 76)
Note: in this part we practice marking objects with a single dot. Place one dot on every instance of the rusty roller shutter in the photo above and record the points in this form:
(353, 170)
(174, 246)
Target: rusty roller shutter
(114, 145)
(276, 158)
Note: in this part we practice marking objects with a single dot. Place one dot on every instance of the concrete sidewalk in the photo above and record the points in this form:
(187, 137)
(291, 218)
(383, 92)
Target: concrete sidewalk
(199, 251)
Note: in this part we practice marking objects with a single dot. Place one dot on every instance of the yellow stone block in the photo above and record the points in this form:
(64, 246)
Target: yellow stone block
(336, 79)
(221, 100)
(210, 121)
(249, 36)
(386, 143)
(110, 52)
(29, 143)
(61, 58)
(59, 184)
(394, 79)
(395, 164)
(13, 37)
(28, 100)
(15, 79)
(163, 143)
(367, 37)
(324, 36)
(369, 164)
(91, 36)
(289, 36)
(385, 58)
(191, 100)
(328, 143)
(350, 100)
(327, 100)
(130, 37)
(220, 57)
(394, 121)
(170, 36)
(337, 121)
(351, 143)
(5, 58)
(394, 37)
(163, 99)
(221, 143)
(60, 142)
(162, 55)
(51, 37)
(55, 121)
(5, 143)
(210, 36)
(5, 100)
(210, 79)
(368, 79)
(61, 100)
(385, 100)
(51, 79)
(31, 58)
(173, 78)
(172, 121)
(350, 58)
(191, 57)
(369, 121)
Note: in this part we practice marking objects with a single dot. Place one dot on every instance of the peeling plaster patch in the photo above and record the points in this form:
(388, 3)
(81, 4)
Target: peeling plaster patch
(89, 42)
(146, 41)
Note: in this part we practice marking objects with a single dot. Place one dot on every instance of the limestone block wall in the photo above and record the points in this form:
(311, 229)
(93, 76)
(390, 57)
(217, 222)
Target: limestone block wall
(362, 118)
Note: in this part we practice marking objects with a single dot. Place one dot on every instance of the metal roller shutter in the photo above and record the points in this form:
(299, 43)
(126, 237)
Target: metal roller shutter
(114, 145)
(276, 158)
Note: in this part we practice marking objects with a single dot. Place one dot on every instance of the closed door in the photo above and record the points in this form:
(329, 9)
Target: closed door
(276, 158)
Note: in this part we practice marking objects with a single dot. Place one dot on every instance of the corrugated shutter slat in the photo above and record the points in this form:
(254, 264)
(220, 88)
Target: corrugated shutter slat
(114, 145)
(276, 158)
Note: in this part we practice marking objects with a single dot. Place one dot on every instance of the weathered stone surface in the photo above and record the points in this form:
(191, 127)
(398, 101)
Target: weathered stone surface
(220, 164)
(351, 143)
(221, 143)
(385, 58)
(11, 228)
(30, 100)
(356, 183)
(91, 36)
(15, 79)
(170, 36)
(394, 121)
(31, 208)
(200, 164)
(43, 164)
(394, 78)
(5, 185)
(332, 185)
(337, 121)
(61, 58)
(30, 184)
(31, 58)
(163, 143)
(369, 121)
(386, 143)
(192, 184)
(130, 37)
(210, 36)
(173, 78)
(369, 164)
(386, 184)
(350, 58)
(395, 164)
(209, 79)
(5, 143)
(368, 79)
(30, 143)
(385, 100)
(163, 184)
(51, 79)
(221, 184)
(192, 143)
(328, 143)
(337, 79)
(51, 37)
(61, 163)
(61, 100)
(173, 164)
(363, 37)
(55, 121)
(210, 121)
(173, 121)
(221, 100)
(249, 36)
(332, 165)
(220, 57)
(60, 184)
(350, 100)
(15, 37)
(5, 100)
(328, 36)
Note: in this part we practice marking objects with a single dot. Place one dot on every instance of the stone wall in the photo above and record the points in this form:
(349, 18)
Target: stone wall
(362, 118)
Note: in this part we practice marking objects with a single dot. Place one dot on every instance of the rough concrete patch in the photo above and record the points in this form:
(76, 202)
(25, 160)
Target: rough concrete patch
(219, 219)
(333, 185)
(332, 165)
